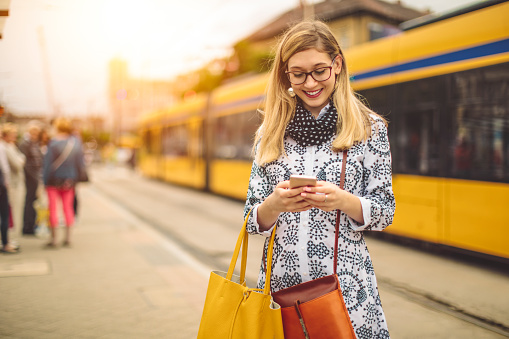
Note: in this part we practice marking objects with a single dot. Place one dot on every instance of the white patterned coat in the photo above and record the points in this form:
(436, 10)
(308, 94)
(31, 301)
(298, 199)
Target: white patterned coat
(304, 243)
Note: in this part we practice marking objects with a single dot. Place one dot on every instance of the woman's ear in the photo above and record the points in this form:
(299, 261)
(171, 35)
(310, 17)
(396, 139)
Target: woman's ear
(338, 64)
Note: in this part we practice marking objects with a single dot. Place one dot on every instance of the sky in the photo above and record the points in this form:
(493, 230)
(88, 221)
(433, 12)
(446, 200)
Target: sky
(68, 44)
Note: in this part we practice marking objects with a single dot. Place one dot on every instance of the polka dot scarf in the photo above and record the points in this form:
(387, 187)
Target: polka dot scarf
(308, 131)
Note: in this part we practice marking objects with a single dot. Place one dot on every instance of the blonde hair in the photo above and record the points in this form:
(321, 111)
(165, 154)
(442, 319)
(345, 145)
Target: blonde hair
(9, 128)
(354, 119)
(63, 125)
(33, 126)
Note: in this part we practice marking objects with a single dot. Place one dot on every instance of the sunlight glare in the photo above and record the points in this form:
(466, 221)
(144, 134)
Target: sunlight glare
(126, 22)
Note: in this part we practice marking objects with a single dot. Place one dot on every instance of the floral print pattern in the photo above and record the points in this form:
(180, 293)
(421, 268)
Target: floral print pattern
(304, 242)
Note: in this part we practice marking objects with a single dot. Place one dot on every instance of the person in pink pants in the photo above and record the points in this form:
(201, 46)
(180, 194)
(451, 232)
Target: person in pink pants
(61, 166)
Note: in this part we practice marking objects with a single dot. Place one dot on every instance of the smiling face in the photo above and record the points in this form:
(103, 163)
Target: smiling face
(315, 95)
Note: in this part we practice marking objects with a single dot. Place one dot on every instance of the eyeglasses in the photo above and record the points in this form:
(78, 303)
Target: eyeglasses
(319, 74)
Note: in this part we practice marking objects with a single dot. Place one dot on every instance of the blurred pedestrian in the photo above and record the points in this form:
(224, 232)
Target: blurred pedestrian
(16, 179)
(4, 203)
(312, 119)
(60, 174)
(44, 138)
(33, 166)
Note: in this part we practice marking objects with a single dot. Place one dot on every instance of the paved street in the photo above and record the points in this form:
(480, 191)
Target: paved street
(143, 251)
(119, 280)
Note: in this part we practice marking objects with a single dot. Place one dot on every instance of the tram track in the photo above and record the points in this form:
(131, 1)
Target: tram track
(439, 305)
(217, 259)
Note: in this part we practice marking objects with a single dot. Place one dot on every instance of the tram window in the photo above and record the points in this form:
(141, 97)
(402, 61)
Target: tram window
(377, 30)
(234, 135)
(417, 142)
(481, 143)
(487, 84)
(417, 128)
(380, 100)
(480, 124)
(175, 140)
(413, 123)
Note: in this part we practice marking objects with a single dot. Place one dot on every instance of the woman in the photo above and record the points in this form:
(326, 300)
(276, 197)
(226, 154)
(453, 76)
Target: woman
(311, 117)
(16, 179)
(7, 247)
(60, 173)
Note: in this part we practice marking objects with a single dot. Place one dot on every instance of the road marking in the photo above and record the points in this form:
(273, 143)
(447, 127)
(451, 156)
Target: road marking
(24, 267)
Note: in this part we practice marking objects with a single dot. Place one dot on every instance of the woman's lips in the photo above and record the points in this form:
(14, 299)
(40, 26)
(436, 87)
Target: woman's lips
(313, 94)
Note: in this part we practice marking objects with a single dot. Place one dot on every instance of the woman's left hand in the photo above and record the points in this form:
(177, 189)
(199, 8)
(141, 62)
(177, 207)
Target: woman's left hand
(328, 197)
(325, 196)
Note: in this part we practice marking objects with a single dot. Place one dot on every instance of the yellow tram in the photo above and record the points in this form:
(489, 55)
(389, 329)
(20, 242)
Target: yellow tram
(443, 84)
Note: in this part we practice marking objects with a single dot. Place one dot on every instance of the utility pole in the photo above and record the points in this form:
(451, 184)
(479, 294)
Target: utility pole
(308, 10)
(47, 73)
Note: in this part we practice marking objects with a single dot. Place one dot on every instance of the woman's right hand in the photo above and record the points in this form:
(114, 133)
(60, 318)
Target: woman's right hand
(286, 199)
(283, 199)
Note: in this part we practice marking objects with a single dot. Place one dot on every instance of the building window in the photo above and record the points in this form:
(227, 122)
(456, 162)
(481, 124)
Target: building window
(377, 30)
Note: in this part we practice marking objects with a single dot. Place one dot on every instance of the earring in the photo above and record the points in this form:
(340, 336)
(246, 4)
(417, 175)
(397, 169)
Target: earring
(291, 92)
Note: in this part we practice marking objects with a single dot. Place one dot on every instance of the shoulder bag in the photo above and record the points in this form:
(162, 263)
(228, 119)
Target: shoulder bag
(233, 310)
(316, 309)
(64, 183)
(82, 172)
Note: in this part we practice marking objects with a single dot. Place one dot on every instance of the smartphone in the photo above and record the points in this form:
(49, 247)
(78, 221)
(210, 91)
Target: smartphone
(297, 180)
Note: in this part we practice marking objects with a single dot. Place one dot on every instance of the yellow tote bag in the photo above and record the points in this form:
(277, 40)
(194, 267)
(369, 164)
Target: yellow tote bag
(232, 310)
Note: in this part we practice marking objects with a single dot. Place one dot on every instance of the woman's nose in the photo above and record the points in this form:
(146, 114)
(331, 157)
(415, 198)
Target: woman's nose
(310, 81)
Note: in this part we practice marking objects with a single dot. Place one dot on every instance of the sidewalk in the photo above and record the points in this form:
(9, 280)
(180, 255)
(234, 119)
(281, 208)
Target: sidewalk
(120, 279)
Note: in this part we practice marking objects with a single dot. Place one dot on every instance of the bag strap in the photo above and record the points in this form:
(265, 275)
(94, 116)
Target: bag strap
(242, 241)
(64, 155)
(268, 274)
(338, 216)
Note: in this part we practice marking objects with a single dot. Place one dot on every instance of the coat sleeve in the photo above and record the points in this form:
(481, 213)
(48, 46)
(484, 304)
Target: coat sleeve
(259, 189)
(4, 164)
(377, 198)
(46, 164)
(15, 157)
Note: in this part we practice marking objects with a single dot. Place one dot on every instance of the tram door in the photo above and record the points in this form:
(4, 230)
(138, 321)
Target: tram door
(154, 152)
(196, 168)
(419, 194)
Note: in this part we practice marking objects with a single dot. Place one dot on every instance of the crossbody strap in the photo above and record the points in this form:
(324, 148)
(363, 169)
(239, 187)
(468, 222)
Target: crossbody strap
(64, 155)
(342, 186)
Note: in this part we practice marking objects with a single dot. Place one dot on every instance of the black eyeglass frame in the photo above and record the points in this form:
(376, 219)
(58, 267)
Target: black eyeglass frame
(311, 73)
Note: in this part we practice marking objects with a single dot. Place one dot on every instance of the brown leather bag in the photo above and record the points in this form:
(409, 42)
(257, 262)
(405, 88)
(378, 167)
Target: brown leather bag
(316, 309)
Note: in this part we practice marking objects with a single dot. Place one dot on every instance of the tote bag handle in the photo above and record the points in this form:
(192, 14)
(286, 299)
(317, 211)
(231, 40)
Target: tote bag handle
(242, 241)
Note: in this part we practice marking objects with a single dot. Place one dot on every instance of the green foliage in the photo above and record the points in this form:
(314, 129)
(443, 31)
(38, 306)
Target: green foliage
(208, 81)
(252, 59)
(102, 137)
(245, 59)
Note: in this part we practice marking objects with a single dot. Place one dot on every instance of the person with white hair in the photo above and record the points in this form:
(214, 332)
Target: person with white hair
(4, 203)
(16, 179)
